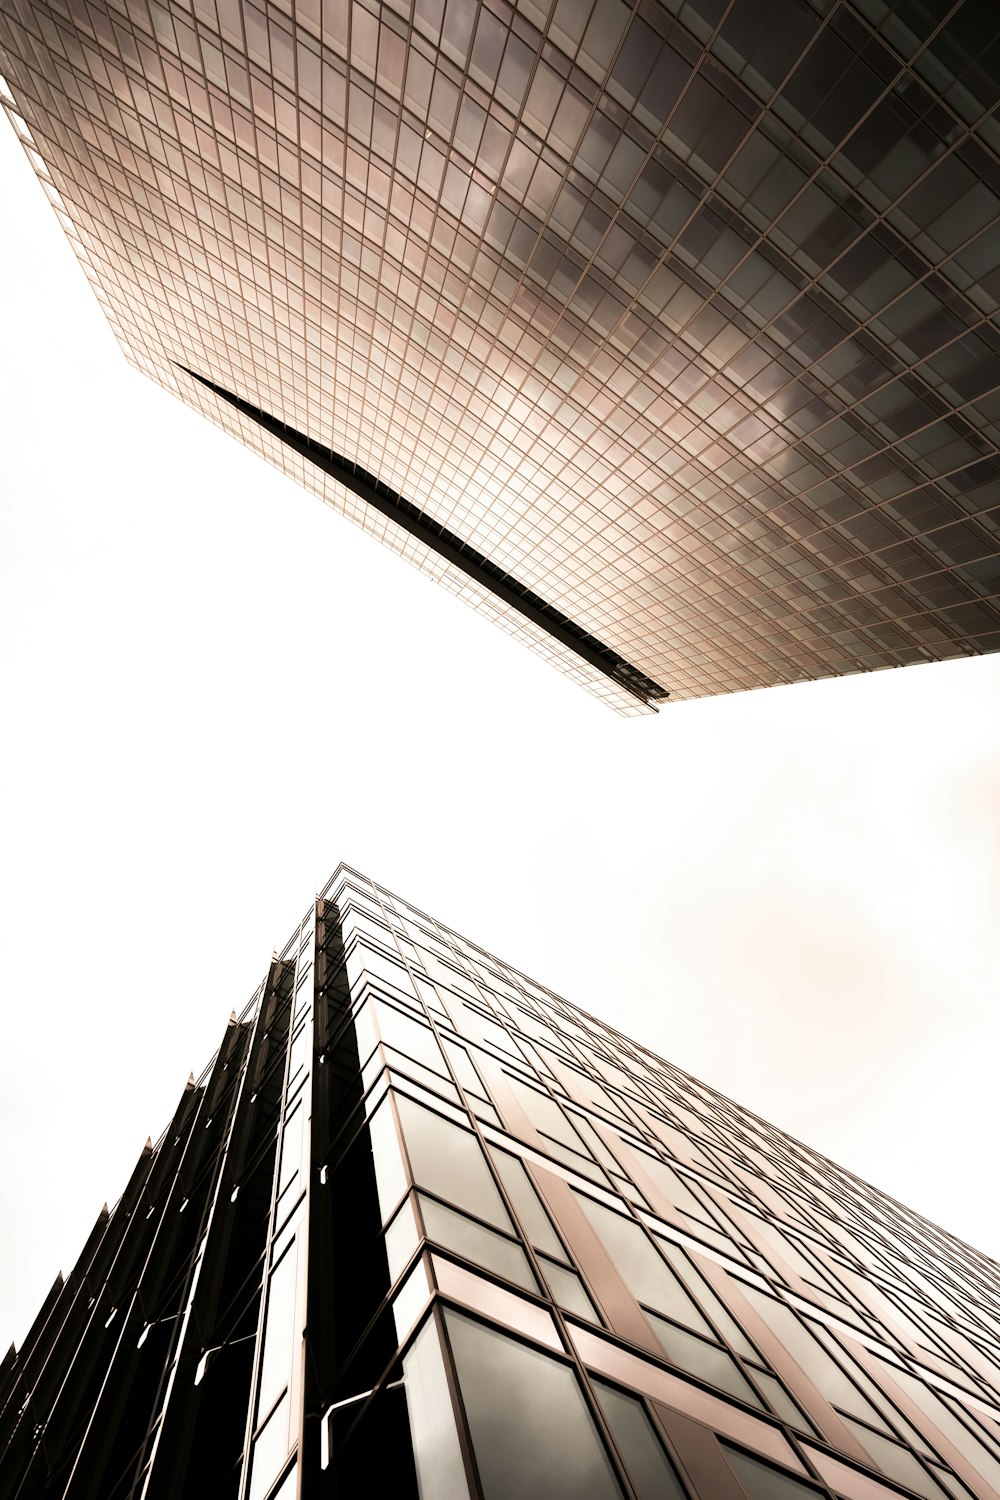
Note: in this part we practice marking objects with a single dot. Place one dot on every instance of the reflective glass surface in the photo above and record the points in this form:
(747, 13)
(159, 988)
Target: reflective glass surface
(682, 317)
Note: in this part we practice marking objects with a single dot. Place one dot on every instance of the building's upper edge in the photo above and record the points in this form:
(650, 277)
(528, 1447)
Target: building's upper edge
(345, 872)
(439, 539)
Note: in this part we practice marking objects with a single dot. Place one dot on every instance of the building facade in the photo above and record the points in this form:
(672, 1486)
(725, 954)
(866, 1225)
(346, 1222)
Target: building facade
(665, 333)
(422, 1228)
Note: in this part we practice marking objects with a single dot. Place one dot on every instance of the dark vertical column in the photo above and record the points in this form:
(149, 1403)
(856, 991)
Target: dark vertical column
(196, 1435)
(274, 1410)
(352, 1346)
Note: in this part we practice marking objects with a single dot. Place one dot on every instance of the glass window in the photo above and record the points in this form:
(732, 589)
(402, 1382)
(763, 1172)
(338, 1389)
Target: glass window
(527, 1205)
(449, 1161)
(670, 1184)
(704, 1295)
(279, 1331)
(436, 1451)
(644, 1273)
(390, 1177)
(762, 1481)
(828, 1378)
(530, 1428)
(270, 1450)
(453, 1231)
(649, 1469)
(545, 1114)
(568, 1291)
(463, 1068)
(790, 1253)
(896, 1462)
(408, 1036)
(705, 1360)
(781, 1402)
(947, 1423)
(401, 1239)
(291, 1147)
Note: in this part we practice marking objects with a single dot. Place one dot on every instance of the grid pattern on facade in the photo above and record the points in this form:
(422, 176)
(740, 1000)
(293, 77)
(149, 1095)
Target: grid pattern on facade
(421, 1207)
(683, 313)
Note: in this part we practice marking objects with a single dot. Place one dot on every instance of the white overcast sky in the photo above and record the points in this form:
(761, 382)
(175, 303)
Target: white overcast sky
(214, 689)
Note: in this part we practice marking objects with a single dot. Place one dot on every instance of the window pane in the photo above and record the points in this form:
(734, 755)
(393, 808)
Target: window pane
(531, 1432)
(408, 1036)
(390, 1178)
(649, 1469)
(762, 1481)
(670, 1184)
(642, 1270)
(568, 1291)
(826, 1376)
(401, 1239)
(436, 1451)
(707, 1299)
(896, 1462)
(270, 1450)
(527, 1204)
(781, 1402)
(279, 1331)
(453, 1231)
(448, 1161)
(707, 1361)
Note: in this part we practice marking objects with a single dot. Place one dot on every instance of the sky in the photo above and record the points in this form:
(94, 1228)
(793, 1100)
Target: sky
(214, 689)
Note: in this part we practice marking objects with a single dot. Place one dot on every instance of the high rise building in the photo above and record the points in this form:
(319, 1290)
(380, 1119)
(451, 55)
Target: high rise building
(422, 1228)
(663, 332)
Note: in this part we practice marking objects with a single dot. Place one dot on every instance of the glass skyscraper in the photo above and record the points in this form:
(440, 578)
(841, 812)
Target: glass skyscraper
(664, 332)
(422, 1228)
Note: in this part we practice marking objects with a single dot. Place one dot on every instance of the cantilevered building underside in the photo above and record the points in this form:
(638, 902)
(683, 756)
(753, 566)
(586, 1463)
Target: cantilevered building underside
(423, 1229)
(664, 333)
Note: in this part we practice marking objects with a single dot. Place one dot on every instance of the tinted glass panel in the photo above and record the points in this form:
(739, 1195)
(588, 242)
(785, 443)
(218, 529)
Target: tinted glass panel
(642, 1270)
(568, 1291)
(896, 1462)
(475, 1242)
(531, 1431)
(764, 1482)
(780, 1401)
(649, 1469)
(449, 1161)
(826, 1376)
(527, 1205)
(707, 1361)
